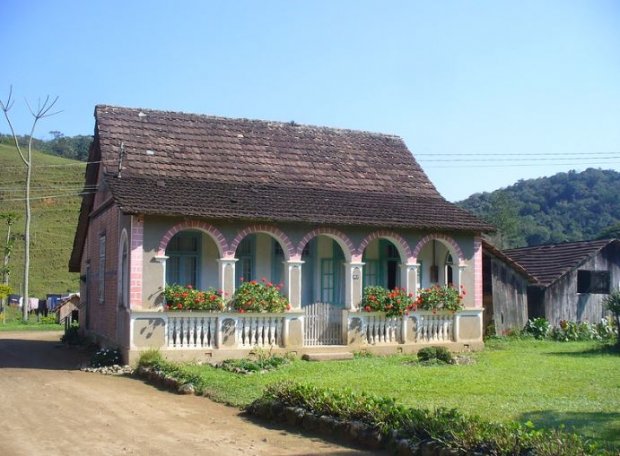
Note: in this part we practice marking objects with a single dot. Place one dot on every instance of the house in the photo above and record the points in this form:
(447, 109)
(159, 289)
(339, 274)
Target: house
(202, 200)
(571, 279)
(68, 310)
(505, 285)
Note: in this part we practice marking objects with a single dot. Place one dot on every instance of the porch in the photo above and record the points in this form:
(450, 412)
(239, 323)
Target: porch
(211, 337)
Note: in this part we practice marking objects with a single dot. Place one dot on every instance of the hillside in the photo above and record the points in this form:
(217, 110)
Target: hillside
(55, 206)
(565, 207)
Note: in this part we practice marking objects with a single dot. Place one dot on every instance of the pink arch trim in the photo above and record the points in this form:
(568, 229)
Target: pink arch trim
(285, 242)
(403, 247)
(440, 237)
(214, 233)
(345, 243)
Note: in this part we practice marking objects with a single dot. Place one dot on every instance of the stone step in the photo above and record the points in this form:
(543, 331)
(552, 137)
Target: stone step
(326, 356)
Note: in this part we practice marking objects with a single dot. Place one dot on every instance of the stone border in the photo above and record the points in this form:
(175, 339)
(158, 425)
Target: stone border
(354, 432)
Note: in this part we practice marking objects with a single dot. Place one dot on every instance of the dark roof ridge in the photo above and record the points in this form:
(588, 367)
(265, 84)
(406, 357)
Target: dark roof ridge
(292, 123)
(559, 244)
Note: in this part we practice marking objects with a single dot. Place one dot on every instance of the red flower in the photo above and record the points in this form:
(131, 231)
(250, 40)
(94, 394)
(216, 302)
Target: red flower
(367, 309)
(241, 311)
(179, 306)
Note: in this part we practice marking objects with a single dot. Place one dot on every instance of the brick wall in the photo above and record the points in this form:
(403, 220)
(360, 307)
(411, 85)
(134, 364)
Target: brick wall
(99, 318)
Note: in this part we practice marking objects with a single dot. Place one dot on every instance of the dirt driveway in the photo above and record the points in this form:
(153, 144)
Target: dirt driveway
(49, 407)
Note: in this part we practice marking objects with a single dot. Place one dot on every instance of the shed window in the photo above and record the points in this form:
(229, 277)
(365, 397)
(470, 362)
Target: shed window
(595, 282)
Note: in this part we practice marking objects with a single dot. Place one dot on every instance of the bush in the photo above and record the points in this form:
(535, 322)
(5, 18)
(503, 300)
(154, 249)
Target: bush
(48, 320)
(261, 296)
(150, 358)
(106, 357)
(395, 303)
(186, 298)
(435, 355)
(440, 298)
(72, 336)
(538, 327)
(445, 428)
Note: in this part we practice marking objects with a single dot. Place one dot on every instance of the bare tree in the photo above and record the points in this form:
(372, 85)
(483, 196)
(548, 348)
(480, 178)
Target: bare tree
(43, 110)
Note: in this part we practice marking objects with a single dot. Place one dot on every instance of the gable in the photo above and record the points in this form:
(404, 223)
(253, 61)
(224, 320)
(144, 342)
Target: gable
(548, 263)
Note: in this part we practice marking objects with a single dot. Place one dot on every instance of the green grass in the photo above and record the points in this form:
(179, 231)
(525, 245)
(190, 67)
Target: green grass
(11, 320)
(574, 384)
(55, 206)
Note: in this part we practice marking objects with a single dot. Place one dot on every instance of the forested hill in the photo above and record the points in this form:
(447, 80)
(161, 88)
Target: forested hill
(565, 207)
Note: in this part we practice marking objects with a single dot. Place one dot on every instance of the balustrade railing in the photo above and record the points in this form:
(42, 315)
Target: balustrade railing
(432, 327)
(379, 329)
(259, 331)
(189, 331)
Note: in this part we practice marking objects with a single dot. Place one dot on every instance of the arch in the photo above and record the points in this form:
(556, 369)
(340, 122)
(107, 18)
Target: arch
(214, 233)
(451, 244)
(343, 241)
(277, 234)
(123, 268)
(401, 245)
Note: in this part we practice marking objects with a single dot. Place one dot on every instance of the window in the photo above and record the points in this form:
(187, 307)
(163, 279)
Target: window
(595, 282)
(101, 270)
(449, 272)
(277, 263)
(183, 254)
(328, 280)
(371, 273)
(245, 264)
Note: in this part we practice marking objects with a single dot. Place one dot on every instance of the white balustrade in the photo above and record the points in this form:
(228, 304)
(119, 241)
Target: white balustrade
(191, 331)
(259, 331)
(434, 327)
(379, 329)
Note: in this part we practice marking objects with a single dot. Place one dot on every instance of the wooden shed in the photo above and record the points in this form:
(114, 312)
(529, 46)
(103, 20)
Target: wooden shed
(505, 285)
(571, 279)
(68, 310)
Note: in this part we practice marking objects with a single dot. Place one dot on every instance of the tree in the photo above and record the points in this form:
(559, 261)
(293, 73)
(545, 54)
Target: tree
(613, 305)
(43, 110)
(504, 215)
(5, 270)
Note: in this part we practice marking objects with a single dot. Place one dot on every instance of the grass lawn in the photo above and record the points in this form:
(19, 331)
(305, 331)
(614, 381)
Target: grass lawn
(12, 321)
(575, 384)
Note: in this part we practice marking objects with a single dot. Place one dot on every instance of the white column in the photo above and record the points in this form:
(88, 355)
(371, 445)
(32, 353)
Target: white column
(293, 283)
(409, 278)
(226, 276)
(353, 285)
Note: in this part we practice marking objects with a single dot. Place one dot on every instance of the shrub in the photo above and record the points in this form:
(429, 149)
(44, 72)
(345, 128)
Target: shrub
(106, 357)
(260, 296)
(612, 302)
(446, 428)
(48, 320)
(435, 355)
(440, 298)
(187, 298)
(395, 303)
(150, 358)
(538, 327)
(72, 336)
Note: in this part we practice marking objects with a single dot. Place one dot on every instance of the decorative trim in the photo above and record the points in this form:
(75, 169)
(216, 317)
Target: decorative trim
(276, 233)
(439, 237)
(345, 243)
(214, 233)
(401, 245)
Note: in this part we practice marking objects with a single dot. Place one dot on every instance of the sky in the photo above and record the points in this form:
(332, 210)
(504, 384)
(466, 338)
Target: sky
(484, 93)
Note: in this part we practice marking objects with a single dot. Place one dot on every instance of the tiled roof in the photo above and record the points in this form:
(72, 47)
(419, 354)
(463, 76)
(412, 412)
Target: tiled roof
(205, 166)
(548, 263)
(488, 248)
(267, 203)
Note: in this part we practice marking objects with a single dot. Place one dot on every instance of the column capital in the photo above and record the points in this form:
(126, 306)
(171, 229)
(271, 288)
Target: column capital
(161, 258)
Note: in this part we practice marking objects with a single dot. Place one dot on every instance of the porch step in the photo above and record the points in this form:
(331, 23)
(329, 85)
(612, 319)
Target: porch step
(326, 356)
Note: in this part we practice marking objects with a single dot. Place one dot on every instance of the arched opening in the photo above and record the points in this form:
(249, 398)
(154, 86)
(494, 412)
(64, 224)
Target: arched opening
(192, 260)
(323, 272)
(381, 264)
(436, 264)
(259, 256)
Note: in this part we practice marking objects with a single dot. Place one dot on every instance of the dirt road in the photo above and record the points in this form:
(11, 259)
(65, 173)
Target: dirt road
(49, 407)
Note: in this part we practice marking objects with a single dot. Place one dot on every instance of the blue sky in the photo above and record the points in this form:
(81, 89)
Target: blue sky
(483, 92)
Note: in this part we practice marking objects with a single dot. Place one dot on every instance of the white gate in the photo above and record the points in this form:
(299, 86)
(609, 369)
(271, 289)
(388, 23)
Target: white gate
(322, 324)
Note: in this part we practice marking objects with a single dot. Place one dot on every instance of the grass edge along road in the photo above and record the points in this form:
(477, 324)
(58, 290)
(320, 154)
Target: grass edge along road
(552, 384)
